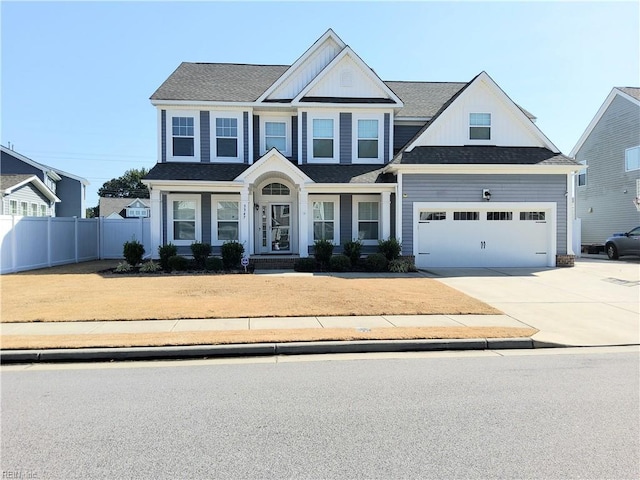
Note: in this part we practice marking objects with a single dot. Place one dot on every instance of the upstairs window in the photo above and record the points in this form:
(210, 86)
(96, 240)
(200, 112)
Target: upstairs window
(323, 138)
(43, 210)
(480, 126)
(24, 208)
(582, 175)
(183, 136)
(632, 159)
(34, 209)
(275, 136)
(227, 137)
(367, 138)
(13, 205)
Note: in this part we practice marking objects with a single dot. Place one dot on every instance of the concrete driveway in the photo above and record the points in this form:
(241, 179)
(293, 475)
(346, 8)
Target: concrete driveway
(597, 302)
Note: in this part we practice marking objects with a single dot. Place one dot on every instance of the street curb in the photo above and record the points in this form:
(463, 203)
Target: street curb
(258, 349)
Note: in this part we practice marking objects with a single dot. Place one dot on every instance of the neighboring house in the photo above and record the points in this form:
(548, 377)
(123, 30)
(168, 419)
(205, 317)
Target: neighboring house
(280, 156)
(608, 191)
(69, 189)
(123, 208)
(27, 196)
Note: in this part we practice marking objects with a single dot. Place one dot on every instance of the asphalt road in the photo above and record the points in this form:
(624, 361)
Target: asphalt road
(423, 416)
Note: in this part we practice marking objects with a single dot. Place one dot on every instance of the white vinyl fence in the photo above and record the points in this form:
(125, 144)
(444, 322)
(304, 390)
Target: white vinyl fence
(28, 243)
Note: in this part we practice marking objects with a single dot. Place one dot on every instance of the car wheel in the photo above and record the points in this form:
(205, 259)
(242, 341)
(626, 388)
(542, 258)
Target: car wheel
(612, 251)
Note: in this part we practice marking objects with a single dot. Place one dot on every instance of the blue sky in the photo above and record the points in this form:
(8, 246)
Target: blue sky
(77, 76)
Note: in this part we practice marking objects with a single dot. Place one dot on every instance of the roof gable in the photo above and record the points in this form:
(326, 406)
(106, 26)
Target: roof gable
(628, 93)
(510, 125)
(11, 183)
(347, 77)
(305, 69)
(270, 162)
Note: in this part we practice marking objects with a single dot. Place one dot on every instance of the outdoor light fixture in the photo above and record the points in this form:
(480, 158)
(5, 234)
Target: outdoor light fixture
(486, 194)
(256, 206)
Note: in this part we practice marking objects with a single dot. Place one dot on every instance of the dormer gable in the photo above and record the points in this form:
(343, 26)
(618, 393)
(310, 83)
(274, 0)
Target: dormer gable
(347, 79)
(481, 114)
(305, 69)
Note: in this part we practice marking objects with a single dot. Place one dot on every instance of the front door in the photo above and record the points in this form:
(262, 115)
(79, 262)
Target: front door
(274, 231)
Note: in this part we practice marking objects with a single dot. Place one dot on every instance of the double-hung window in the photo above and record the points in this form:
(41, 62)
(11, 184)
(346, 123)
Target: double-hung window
(34, 209)
(227, 218)
(480, 126)
(632, 159)
(13, 205)
(184, 219)
(582, 175)
(323, 138)
(182, 129)
(367, 138)
(43, 210)
(367, 219)
(227, 137)
(323, 221)
(275, 136)
(24, 208)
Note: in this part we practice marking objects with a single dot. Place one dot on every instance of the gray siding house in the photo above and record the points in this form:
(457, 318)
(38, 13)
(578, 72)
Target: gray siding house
(607, 191)
(279, 156)
(69, 189)
(27, 196)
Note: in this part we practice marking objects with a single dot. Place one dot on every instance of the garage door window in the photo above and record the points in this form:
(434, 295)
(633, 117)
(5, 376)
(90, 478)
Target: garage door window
(432, 216)
(466, 215)
(532, 216)
(499, 215)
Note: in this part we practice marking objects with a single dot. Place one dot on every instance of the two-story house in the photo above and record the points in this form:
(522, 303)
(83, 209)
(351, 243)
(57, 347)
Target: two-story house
(279, 156)
(608, 190)
(55, 194)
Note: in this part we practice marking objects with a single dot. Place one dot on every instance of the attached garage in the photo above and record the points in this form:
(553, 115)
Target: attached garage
(484, 234)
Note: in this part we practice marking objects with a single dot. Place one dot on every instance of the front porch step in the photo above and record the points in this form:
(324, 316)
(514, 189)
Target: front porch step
(273, 262)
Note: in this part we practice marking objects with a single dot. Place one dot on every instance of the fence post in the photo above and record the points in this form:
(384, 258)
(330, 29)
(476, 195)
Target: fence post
(14, 252)
(49, 241)
(75, 235)
(100, 237)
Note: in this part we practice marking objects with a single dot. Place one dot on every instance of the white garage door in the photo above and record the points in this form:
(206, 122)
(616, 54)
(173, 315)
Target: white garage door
(483, 235)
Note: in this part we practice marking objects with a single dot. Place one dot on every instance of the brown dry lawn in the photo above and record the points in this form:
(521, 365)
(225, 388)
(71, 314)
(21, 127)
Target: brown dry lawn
(80, 292)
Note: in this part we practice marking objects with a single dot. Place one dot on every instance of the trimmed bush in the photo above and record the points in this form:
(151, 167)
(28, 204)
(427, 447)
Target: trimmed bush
(232, 254)
(352, 250)
(399, 266)
(340, 263)
(376, 263)
(166, 251)
(213, 264)
(307, 264)
(133, 252)
(322, 251)
(149, 267)
(390, 248)
(178, 263)
(201, 252)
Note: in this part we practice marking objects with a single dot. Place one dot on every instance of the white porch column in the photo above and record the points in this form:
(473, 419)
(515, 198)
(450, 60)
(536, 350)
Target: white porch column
(570, 214)
(252, 225)
(385, 215)
(155, 222)
(245, 216)
(303, 225)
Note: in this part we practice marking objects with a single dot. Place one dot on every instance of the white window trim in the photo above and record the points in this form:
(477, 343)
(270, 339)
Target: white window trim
(355, 220)
(336, 137)
(491, 139)
(626, 153)
(263, 133)
(196, 135)
(213, 137)
(582, 172)
(198, 230)
(336, 215)
(12, 210)
(214, 215)
(354, 141)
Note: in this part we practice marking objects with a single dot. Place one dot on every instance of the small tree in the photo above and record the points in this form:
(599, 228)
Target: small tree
(165, 252)
(133, 252)
(322, 251)
(352, 250)
(231, 254)
(200, 253)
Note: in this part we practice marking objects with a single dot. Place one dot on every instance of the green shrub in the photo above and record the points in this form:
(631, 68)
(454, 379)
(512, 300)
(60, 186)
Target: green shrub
(133, 252)
(123, 267)
(232, 254)
(149, 267)
(376, 263)
(213, 264)
(166, 251)
(352, 250)
(178, 263)
(390, 248)
(340, 263)
(201, 252)
(322, 251)
(307, 264)
(399, 266)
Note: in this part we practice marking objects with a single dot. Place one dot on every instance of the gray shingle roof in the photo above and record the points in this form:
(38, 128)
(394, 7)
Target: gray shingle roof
(225, 172)
(223, 82)
(631, 91)
(423, 99)
(11, 180)
(482, 155)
